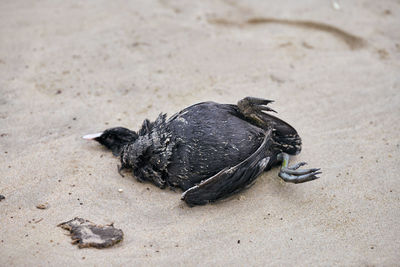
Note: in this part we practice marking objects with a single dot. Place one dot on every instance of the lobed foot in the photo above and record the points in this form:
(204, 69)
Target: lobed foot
(251, 105)
(295, 175)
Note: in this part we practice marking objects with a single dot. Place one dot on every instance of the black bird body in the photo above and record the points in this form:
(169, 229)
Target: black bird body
(209, 136)
(209, 150)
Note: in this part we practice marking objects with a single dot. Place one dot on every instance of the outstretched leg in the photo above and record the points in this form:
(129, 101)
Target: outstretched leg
(284, 135)
(252, 107)
(295, 175)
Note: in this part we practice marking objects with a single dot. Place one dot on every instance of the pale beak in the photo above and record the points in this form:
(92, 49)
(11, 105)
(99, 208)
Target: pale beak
(92, 136)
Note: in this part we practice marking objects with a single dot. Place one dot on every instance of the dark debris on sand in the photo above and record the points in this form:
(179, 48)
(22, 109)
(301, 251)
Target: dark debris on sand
(87, 234)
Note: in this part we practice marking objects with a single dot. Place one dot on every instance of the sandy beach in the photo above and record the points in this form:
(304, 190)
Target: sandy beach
(70, 68)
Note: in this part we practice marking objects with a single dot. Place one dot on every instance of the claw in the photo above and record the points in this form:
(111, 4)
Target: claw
(306, 179)
(267, 108)
(258, 101)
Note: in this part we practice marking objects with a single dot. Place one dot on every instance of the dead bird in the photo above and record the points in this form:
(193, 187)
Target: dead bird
(209, 150)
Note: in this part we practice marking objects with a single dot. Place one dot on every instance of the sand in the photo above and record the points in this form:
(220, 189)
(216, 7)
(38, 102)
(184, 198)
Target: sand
(73, 68)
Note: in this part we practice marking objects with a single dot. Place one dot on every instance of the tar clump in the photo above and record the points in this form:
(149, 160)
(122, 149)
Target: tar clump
(209, 150)
(87, 234)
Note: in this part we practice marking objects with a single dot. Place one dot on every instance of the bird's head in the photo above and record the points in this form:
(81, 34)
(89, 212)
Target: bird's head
(114, 138)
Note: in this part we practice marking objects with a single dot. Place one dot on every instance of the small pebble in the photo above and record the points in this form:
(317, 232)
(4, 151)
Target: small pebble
(336, 5)
(120, 190)
(42, 206)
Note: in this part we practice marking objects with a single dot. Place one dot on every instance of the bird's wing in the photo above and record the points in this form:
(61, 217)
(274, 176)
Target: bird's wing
(232, 179)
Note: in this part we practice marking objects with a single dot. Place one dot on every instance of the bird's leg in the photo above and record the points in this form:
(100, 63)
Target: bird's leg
(293, 174)
(252, 108)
